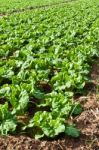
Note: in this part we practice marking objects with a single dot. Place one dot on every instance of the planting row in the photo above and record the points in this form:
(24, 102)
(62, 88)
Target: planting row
(15, 5)
(44, 61)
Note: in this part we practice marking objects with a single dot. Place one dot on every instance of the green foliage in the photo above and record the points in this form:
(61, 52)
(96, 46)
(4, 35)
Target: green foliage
(77, 109)
(10, 5)
(44, 59)
(49, 125)
(7, 120)
(72, 131)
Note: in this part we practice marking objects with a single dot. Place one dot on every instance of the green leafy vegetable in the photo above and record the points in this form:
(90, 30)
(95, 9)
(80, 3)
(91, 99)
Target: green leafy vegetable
(45, 57)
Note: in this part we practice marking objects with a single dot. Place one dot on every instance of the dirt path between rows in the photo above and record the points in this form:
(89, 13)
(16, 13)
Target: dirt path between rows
(87, 122)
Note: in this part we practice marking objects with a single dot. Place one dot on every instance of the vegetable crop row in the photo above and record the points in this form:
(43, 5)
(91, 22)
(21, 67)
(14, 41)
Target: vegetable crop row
(7, 6)
(44, 60)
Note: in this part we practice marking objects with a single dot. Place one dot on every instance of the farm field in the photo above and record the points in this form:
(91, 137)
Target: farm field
(49, 75)
(12, 5)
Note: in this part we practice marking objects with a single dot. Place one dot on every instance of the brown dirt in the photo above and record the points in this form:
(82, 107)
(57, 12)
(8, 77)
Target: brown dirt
(87, 122)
